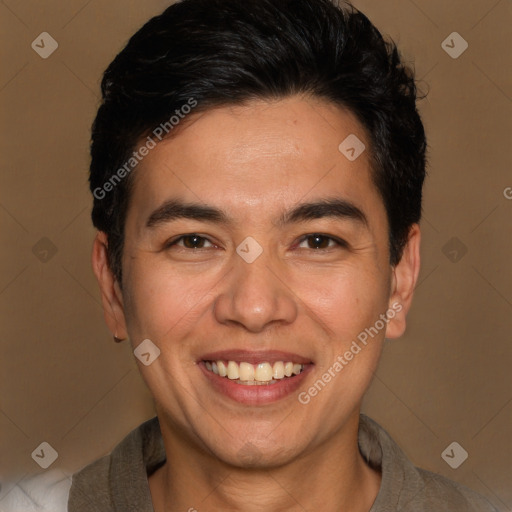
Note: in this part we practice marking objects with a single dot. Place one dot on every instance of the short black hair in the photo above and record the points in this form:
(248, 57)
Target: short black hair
(210, 53)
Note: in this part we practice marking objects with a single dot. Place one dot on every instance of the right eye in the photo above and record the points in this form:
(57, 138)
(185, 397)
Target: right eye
(189, 241)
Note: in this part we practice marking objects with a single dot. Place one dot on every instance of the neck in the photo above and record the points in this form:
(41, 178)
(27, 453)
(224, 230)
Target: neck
(331, 477)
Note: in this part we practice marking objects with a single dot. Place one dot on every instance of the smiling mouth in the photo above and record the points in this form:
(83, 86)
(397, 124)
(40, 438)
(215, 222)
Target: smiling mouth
(254, 374)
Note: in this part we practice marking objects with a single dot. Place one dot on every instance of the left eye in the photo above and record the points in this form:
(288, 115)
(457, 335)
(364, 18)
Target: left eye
(319, 241)
(191, 241)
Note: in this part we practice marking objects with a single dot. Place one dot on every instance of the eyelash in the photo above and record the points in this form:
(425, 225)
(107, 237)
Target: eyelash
(338, 241)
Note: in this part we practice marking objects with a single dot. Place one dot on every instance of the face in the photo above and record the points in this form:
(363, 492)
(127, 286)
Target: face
(252, 240)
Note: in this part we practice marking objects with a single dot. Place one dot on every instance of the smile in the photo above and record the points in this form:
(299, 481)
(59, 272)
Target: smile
(254, 374)
(254, 377)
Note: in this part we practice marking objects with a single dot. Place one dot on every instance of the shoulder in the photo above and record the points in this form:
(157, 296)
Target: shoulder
(408, 488)
(132, 450)
(442, 494)
(118, 481)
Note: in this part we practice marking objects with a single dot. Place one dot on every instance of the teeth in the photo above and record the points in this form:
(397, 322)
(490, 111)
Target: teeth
(263, 372)
(249, 374)
(233, 371)
(278, 370)
(247, 371)
(222, 368)
(255, 382)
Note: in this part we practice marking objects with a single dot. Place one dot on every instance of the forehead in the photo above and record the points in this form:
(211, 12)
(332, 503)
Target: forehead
(259, 157)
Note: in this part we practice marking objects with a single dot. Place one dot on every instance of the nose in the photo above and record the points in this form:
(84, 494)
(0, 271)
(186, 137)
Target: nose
(255, 296)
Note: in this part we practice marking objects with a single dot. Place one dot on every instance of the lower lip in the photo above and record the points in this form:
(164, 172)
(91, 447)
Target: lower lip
(257, 394)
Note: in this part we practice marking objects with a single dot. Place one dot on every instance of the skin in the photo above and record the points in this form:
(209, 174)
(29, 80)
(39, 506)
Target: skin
(254, 162)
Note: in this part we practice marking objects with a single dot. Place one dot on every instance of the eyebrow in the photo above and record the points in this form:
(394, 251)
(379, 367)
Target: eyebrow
(338, 208)
(175, 209)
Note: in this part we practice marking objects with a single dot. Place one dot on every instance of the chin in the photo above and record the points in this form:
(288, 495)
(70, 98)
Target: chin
(261, 453)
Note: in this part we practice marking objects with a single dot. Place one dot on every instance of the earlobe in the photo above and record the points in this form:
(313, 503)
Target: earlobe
(111, 295)
(404, 279)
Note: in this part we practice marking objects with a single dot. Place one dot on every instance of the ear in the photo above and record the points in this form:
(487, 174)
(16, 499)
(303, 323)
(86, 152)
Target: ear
(111, 294)
(403, 282)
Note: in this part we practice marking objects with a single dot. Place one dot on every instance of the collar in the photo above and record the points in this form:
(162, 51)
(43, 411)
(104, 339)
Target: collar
(120, 480)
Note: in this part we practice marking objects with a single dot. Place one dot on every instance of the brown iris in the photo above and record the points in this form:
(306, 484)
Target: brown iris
(318, 241)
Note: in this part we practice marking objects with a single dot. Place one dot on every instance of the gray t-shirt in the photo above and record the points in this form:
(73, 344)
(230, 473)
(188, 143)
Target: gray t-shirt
(118, 482)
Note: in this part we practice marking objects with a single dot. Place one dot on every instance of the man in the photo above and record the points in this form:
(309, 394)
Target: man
(257, 171)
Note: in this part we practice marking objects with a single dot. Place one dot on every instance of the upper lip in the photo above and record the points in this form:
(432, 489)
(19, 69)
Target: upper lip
(254, 356)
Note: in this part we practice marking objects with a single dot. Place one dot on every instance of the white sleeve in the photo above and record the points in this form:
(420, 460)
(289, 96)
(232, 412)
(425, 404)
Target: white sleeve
(45, 492)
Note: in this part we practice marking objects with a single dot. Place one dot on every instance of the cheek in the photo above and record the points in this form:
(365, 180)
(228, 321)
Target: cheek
(162, 300)
(345, 301)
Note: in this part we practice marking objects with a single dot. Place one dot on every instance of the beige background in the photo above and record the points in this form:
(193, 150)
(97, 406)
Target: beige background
(64, 381)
